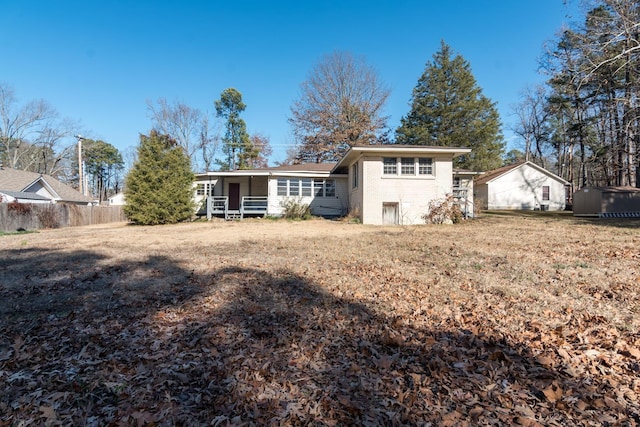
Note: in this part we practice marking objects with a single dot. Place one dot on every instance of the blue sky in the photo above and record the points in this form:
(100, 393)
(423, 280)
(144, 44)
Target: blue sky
(98, 62)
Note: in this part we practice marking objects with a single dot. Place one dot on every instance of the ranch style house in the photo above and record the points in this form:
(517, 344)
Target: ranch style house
(379, 184)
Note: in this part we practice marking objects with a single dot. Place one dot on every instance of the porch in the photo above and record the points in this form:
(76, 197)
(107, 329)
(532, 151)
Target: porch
(249, 206)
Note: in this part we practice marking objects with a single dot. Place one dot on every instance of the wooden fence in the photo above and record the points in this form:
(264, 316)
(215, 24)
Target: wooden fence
(28, 216)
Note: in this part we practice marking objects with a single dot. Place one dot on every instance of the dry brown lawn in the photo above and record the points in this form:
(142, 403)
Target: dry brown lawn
(526, 320)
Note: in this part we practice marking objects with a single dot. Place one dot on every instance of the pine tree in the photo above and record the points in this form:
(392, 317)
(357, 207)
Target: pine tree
(159, 187)
(449, 109)
(236, 143)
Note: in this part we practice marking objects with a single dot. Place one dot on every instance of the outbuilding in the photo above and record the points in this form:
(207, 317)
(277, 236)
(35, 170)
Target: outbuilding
(521, 186)
(612, 202)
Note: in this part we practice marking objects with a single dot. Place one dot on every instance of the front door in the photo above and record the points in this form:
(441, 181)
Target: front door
(234, 196)
(390, 213)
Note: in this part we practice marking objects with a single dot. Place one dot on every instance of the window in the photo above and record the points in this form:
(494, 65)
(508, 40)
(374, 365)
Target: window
(201, 190)
(456, 182)
(389, 166)
(330, 188)
(425, 166)
(282, 187)
(354, 172)
(318, 187)
(545, 192)
(294, 187)
(407, 166)
(306, 186)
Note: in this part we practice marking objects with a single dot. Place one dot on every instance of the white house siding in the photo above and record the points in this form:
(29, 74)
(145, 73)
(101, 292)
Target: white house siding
(199, 199)
(411, 193)
(320, 206)
(356, 193)
(521, 188)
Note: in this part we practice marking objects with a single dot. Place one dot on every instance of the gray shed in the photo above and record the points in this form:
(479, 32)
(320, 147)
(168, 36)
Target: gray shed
(613, 202)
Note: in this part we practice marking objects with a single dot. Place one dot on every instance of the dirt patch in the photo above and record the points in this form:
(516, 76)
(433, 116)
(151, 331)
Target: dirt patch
(528, 320)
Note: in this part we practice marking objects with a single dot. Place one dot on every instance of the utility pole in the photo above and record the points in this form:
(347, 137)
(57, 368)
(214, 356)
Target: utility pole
(80, 166)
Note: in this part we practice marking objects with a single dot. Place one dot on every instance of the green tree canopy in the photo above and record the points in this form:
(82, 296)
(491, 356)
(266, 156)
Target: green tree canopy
(236, 144)
(103, 164)
(159, 187)
(449, 109)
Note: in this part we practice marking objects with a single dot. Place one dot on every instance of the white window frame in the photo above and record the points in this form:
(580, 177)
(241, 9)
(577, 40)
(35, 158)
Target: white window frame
(389, 168)
(406, 167)
(426, 169)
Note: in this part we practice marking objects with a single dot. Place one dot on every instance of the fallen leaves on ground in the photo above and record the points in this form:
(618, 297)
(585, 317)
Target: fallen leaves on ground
(419, 326)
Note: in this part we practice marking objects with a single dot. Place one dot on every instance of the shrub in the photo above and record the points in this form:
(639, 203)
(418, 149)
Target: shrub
(295, 209)
(443, 211)
(48, 217)
(21, 209)
(159, 186)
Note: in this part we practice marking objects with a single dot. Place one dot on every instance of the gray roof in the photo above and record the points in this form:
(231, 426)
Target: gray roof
(21, 181)
(24, 195)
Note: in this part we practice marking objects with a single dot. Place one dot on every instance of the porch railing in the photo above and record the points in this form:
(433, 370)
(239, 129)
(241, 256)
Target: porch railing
(461, 199)
(217, 205)
(253, 205)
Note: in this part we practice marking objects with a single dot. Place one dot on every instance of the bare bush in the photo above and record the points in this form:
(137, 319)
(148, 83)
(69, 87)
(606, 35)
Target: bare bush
(443, 211)
(48, 217)
(20, 209)
(295, 209)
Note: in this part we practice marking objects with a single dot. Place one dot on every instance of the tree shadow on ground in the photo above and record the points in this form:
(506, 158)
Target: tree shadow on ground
(148, 343)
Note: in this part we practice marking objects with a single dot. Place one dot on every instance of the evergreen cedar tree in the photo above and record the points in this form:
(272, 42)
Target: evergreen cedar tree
(159, 187)
(448, 109)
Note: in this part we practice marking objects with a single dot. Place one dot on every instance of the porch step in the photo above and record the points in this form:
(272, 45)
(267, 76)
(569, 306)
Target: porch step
(233, 215)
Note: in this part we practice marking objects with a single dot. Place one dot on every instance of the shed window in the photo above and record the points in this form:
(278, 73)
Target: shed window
(201, 189)
(407, 166)
(545, 192)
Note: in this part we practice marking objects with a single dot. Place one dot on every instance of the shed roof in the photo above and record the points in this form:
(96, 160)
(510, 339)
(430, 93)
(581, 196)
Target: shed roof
(612, 189)
(496, 173)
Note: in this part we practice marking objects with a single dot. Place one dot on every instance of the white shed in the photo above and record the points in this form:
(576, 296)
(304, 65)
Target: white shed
(523, 185)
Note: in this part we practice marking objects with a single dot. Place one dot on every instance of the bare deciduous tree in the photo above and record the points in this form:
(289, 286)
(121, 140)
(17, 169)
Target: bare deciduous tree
(340, 106)
(533, 124)
(263, 146)
(31, 135)
(188, 126)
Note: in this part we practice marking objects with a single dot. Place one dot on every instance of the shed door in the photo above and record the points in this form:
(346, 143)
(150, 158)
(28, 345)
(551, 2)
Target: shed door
(390, 213)
(234, 196)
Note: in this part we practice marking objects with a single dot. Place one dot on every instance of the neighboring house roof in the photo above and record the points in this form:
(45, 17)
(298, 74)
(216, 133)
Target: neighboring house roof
(24, 181)
(23, 195)
(497, 173)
